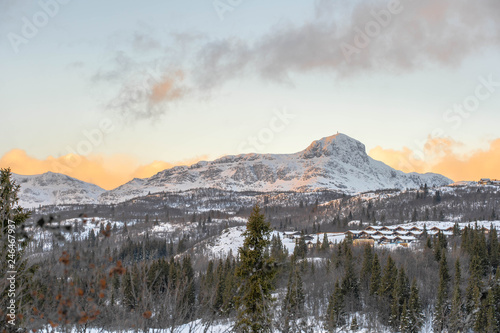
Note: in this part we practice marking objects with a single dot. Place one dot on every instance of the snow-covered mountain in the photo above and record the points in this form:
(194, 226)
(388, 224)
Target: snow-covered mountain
(54, 188)
(337, 163)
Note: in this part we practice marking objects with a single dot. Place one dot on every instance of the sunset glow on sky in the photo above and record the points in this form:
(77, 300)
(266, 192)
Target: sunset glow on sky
(108, 91)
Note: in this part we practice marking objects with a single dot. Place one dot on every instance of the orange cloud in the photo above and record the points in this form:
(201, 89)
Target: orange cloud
(107, 172)
(444, 156)
(168, 88)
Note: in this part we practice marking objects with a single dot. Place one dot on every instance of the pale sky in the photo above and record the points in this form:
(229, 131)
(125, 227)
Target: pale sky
(178, 81)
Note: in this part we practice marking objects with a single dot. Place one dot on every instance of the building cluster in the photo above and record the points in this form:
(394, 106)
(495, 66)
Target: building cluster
(402, 234)
(487, 181)
(397, 234)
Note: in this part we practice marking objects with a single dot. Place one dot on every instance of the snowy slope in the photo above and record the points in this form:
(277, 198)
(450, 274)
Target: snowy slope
(54, 188)
(334, 163)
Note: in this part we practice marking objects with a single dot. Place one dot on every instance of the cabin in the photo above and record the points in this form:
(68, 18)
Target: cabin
(354, 234)
(373, 228)
(485, 181)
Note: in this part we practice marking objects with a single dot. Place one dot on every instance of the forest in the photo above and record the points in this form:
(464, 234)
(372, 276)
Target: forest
(127, 279)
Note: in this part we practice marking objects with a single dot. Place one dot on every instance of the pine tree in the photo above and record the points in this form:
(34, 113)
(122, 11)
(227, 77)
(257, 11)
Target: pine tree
(256, 272)
(401, 295)
(325, 245)
(404, 327)
(335, 314)
(366, 267)
(230, 286)
(375, 278)
(301, 248)
(12, 246)
(437, 197)
(386, 290)
(442, 307)
(493, 248)
(389, 279)
(415, 314)
(456, 312)
(350, 283)
(293, 303)
(492, 325)
(189, 296)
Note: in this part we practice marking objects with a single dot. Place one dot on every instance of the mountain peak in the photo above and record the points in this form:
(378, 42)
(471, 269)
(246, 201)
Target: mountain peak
(338, 144)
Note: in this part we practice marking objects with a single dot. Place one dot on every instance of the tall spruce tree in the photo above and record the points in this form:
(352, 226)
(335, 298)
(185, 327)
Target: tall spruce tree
(12, 246)
(366, 267)
(350, 283)
(293, 303)
(441, 310)
(401, 296)
(456, 311)
(389, 278)
(415, 314)
(335, 313)
(375, 276)
(256, 272)
(493, 248)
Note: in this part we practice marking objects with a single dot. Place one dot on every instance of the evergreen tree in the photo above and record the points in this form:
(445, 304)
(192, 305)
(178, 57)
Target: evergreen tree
(13, 243)
(491, 322)
(293, 303)
(437, 197)
(335, 314)
(473, 293)
(366, 267)
(389, 279)
(375, 277)
(350, 283)
(230, 286)
(256, 272)
(386, 290)
(325, 245)
(493, 248)
(189, 296)
(301, 248)
(401, 295)
(442, 307)
(415, 314)
(405, 320)
(456, 311)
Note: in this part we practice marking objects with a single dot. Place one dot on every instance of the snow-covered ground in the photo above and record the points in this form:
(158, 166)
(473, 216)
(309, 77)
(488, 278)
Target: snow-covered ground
(80, 229)
(231, 239)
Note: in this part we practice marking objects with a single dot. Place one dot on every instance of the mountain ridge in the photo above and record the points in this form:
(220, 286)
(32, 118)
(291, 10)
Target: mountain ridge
(338, 163)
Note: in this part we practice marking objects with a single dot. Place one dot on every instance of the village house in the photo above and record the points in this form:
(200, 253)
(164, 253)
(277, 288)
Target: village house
(395, 234)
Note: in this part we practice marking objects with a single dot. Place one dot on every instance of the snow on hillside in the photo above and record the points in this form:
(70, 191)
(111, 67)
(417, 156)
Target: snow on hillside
(333, 163)
(231, 238)
(54, 188)
(80, 229)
